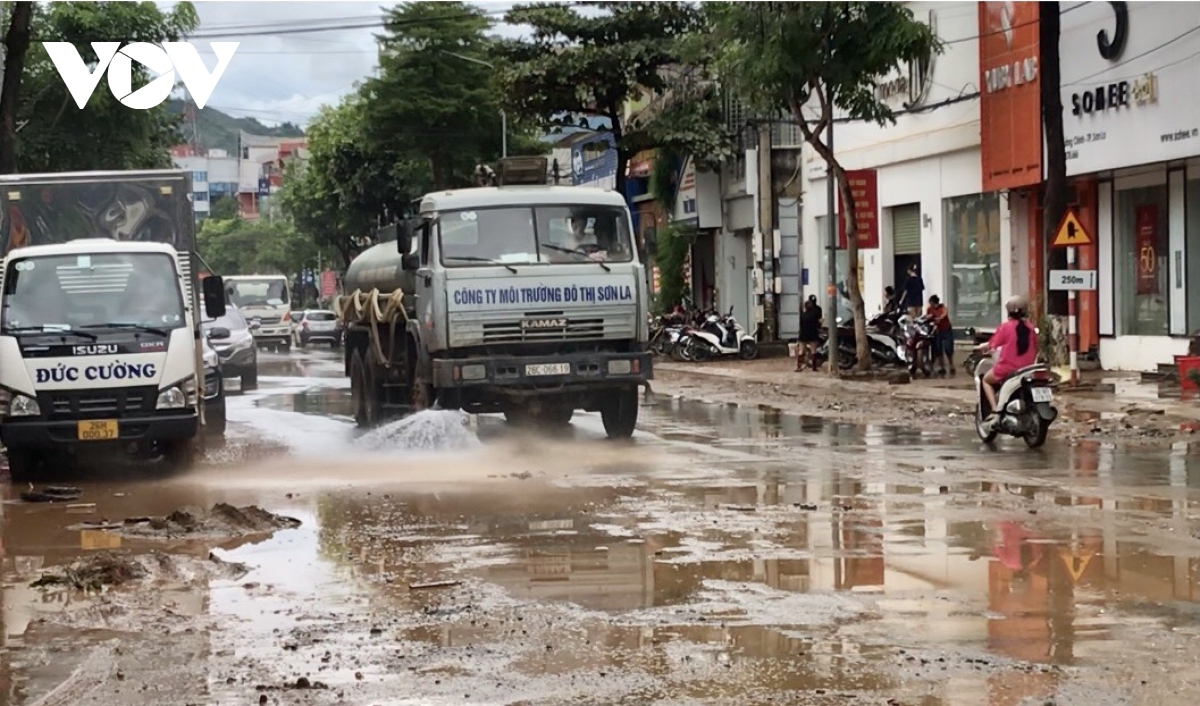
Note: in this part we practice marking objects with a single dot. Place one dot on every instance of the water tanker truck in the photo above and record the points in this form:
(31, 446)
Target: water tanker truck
(522, 299)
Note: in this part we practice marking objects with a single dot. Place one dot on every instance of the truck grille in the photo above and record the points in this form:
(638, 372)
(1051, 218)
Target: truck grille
(97, 404)
(541, 327)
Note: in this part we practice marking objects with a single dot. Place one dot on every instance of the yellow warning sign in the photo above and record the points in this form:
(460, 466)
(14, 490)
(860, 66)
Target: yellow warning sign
(1075, 564)
(1071, 232)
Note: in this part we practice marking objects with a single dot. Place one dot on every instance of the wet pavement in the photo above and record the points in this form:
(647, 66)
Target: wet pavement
(727, 555)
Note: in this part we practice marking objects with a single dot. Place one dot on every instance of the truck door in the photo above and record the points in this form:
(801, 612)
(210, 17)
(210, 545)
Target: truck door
(427, 282)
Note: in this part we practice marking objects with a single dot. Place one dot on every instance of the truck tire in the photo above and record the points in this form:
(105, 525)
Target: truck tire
(619, 412)
(23, 464)
(215, 423)
(180, 454)
(358, 389)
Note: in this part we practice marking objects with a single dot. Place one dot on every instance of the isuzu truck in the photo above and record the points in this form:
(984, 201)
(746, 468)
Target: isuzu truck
(99, 317)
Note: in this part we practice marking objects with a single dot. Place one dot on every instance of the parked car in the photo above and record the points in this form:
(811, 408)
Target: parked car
(214, 392)
(233, 339)
(315, 325)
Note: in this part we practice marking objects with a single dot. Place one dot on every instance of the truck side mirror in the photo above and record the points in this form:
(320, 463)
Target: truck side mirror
(410, 262)
(405, 231)
(213, 288)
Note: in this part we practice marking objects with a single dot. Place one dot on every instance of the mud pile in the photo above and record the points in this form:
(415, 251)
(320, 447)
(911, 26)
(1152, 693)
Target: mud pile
(111, 569)
(223, 520)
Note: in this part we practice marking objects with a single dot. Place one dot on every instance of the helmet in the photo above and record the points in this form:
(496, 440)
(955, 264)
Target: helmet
(1017, 305)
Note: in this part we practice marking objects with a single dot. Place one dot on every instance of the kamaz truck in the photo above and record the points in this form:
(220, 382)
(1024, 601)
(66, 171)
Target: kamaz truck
(99, 317)
(522, 299)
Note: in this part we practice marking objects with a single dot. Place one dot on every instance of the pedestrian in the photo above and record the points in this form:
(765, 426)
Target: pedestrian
(943, 337)
(914, 291)
(889, 293)
(810, 334)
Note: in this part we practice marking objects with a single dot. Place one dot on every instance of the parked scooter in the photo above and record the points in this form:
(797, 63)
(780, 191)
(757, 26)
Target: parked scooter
(1024, 405)
(918, 344)
(725, 336)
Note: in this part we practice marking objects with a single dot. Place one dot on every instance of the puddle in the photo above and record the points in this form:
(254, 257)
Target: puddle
(729, 555)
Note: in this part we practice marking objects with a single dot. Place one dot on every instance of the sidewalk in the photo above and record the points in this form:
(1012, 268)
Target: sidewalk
(1129, 398)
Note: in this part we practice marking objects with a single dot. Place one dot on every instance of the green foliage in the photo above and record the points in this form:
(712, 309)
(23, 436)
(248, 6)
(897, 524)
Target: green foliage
(594, 58)
(662, 180)
(433, 100)
(674, 243)
(219, 130)
(237, 246)
(223, 208)
(57, 135)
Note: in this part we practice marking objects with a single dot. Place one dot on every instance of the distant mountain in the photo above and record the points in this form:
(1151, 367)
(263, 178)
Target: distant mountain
(220, 130)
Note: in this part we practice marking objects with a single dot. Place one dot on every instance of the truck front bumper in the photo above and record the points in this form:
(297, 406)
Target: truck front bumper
(44, 433)
(545, 372)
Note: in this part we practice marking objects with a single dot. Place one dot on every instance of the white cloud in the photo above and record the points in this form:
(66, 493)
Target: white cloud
(278, 76)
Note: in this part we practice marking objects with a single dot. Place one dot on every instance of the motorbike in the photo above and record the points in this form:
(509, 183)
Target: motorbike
(886, 349)
(1024, 405)
(979, 338)
(918, 344)
(723, 335)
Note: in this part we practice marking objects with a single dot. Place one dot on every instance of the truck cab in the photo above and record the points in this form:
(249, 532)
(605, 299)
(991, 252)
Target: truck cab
(266, 302)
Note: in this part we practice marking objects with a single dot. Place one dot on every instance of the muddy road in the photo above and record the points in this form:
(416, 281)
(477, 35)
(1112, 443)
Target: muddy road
(728, 555)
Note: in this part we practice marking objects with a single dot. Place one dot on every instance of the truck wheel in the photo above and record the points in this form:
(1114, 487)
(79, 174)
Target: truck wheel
(180, 454)
(250, 379)
(216, 422)
(23, 464)
(619, 412)
(358, 388)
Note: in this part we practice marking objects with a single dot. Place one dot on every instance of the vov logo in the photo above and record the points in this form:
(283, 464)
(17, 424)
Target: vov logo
(166, 61)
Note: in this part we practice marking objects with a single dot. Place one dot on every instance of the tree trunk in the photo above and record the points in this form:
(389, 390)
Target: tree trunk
(1055, 203)
(16, 43)
(861, 343)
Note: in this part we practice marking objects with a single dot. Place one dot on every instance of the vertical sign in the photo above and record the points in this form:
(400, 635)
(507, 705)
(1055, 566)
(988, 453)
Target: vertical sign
(1147, 249)
(328, 283)
(1010, 128)
(864, 187)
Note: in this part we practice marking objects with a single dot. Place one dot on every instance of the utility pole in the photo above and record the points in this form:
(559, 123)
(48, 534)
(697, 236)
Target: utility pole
(766, 228)
(831, 207)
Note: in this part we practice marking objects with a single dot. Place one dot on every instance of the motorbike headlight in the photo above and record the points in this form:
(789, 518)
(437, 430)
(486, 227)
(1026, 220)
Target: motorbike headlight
(23, 406)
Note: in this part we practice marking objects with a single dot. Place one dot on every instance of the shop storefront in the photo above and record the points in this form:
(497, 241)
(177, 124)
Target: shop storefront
(972, 228)
(1132, 123)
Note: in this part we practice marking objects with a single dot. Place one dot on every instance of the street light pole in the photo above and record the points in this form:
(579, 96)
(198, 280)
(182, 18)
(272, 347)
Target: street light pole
(503, 114)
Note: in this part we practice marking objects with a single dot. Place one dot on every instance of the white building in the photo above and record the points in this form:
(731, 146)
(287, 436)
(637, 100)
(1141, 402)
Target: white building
(930, 209)
(213, 175)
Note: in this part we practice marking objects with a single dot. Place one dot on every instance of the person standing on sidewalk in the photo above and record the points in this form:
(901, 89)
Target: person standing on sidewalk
(914, 291)
(810, 334)
(943, 336)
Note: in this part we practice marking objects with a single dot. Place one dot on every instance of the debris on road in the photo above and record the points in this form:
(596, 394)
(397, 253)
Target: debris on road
(51, 494)
(433, 584)
(111, 569)
(223, 520)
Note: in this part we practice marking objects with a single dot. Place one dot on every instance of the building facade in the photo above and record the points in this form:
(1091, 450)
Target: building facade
(214, 174)
(920, 180)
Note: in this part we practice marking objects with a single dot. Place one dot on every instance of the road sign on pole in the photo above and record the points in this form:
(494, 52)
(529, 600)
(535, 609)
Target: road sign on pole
(1070, 231)
(1070, 235)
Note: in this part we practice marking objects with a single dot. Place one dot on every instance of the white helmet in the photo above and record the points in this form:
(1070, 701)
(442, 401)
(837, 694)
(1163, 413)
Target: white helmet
(1017, 305)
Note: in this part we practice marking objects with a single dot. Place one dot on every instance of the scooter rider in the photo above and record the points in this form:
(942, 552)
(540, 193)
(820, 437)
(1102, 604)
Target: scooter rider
(1016, 341)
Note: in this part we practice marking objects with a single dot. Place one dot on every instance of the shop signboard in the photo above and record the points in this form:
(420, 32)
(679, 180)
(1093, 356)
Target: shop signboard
(1128, 75)
(864, 187)
(1010, 103)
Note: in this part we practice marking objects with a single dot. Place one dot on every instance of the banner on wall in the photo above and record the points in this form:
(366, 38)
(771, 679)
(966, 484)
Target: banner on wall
(864, 188)
(1147, 250)
(1010, 102)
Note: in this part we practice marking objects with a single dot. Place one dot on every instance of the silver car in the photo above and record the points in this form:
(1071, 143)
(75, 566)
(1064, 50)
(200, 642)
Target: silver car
(231, 336)
(316, 325)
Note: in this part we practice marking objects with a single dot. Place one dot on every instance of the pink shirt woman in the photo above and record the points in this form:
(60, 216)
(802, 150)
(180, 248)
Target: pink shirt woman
(1010, 358)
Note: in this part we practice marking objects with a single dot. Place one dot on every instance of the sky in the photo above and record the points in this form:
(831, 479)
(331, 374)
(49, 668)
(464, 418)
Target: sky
(287, 77)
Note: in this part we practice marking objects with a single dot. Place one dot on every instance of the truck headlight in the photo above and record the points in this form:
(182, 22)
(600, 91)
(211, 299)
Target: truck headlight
(210, 359)
(23, 406)
(620, 367)
(473, 372)
(171, 398)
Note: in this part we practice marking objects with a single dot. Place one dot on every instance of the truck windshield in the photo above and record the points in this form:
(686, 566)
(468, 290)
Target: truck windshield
(68, 292)
(528, 235)
(266, 292)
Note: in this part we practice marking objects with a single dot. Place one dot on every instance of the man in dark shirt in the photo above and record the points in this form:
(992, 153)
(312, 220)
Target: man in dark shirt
(914, 292)
(943, 342)
(810, 333)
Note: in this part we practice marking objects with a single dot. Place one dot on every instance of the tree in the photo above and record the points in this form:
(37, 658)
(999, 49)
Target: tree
(433, 99)
(792, 57)
(595, 64)
(58, 136)
(223, 208)
(239, 246)
(16, 45)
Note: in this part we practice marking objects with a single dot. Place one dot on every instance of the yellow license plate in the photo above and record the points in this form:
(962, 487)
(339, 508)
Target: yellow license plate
(99, 430)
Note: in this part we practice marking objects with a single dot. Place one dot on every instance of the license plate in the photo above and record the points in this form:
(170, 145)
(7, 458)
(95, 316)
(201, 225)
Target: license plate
(548, 369)
(1042, 394)
(98, 430)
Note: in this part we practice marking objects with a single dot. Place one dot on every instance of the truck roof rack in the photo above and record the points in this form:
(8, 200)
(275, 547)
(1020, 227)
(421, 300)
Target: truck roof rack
(522, 171)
